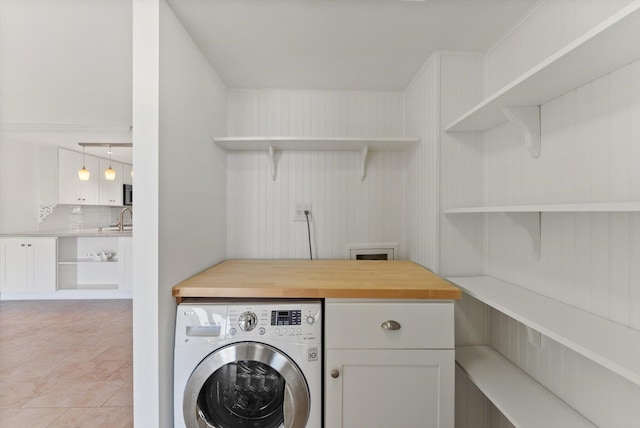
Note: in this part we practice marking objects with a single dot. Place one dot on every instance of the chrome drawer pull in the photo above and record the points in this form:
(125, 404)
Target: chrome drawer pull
(391, 325)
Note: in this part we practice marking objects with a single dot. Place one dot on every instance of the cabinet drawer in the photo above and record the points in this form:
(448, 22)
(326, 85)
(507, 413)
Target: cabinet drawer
(359, 325)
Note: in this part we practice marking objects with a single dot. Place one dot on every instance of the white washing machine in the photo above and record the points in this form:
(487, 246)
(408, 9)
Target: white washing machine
(248, 364)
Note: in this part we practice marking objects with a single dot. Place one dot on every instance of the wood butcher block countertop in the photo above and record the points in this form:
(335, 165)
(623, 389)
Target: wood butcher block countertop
(317, 279)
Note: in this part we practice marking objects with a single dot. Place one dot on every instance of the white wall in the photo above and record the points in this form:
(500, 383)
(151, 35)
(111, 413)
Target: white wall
(548, 27)
(18, 187)
(422, 171)
(461, 237)
(65, 62)
(178, 109)
(344, 209)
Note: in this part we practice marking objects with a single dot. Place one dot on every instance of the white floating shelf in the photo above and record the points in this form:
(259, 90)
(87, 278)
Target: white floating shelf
(558, 208)
(392, 144)
(85, 260)
(606, 48)
(520, 398)
(272, 144)
(608, 343)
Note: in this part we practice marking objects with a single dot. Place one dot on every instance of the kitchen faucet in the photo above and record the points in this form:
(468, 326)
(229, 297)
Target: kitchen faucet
(121, 220)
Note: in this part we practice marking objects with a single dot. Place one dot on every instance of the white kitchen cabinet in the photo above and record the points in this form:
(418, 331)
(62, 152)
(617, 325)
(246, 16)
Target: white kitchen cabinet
(111, 190)
(72, 190)
(401, 375)
(28, 265)
(127, 174)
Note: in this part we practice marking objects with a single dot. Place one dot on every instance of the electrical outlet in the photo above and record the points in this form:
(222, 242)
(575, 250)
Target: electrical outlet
(298, 211)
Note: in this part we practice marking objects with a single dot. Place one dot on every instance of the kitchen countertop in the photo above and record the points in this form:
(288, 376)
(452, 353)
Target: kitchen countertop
(317, 279)
(89, 232)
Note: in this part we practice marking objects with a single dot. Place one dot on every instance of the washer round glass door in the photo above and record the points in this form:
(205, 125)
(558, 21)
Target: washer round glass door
(246, 384)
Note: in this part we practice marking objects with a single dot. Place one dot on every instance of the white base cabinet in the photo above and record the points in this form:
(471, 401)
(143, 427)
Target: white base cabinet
(28, 265)
(389, 364)
(67, 267)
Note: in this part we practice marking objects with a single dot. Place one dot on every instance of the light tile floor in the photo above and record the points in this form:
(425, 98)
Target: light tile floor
(66, 363)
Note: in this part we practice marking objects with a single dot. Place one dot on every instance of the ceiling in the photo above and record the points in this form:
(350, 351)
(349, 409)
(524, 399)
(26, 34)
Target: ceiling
(338, 44)
(66, 65)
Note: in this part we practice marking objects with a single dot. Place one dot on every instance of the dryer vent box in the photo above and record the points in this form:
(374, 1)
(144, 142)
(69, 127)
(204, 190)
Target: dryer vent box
(387, 251)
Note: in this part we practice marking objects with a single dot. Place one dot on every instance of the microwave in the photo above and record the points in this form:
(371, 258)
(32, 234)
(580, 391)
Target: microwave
(127, 194)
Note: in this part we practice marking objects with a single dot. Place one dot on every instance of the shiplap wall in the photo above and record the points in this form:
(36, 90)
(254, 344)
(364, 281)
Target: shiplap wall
(461, 240)
(344, 209)
(421, 179)
(548, 27)
(589, 260)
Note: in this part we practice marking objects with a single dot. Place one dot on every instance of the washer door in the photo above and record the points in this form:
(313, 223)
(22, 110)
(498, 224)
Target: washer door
(246, 384)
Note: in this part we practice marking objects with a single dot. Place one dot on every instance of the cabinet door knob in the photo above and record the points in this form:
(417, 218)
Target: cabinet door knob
(335, 374)
(28, 245)
(391, 325)
(22, 245)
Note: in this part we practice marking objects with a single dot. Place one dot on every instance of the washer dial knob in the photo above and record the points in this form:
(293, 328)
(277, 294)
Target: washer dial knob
(248, 321)
(310, 319)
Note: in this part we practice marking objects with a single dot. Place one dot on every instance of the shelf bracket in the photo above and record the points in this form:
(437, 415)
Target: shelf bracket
(364, 152)
(527, 119)
(532, 223)
(272, 162)
(44, 211)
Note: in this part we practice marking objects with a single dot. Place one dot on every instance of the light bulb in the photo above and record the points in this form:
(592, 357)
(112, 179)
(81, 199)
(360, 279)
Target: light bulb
(110, 173)
(83, 174)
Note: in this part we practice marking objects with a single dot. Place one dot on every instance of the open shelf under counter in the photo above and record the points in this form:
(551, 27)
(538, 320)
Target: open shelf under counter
(558, 208)
(605, 48)
(521, 399)
(87, 286)
(608, 343)
(85, 260)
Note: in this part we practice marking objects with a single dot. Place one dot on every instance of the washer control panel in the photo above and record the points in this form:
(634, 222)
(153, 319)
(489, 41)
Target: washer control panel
(280, 317)
(295, 321)
(290, 321)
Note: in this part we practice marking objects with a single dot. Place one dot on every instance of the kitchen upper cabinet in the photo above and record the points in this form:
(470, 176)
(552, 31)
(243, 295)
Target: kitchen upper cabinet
(28, 265)
(72, 190)
(111, 190)
(389, 364)
(127, 174)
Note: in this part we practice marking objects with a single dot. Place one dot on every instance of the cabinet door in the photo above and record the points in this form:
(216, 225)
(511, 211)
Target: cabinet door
(43, 259)
(110, 190)
(389, 388)
(72, 190)
(127, 174)
(13, 265)
(28, 264)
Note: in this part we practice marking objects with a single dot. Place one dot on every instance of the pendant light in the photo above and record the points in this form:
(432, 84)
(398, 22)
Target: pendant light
(110, 173)
(83, 174)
